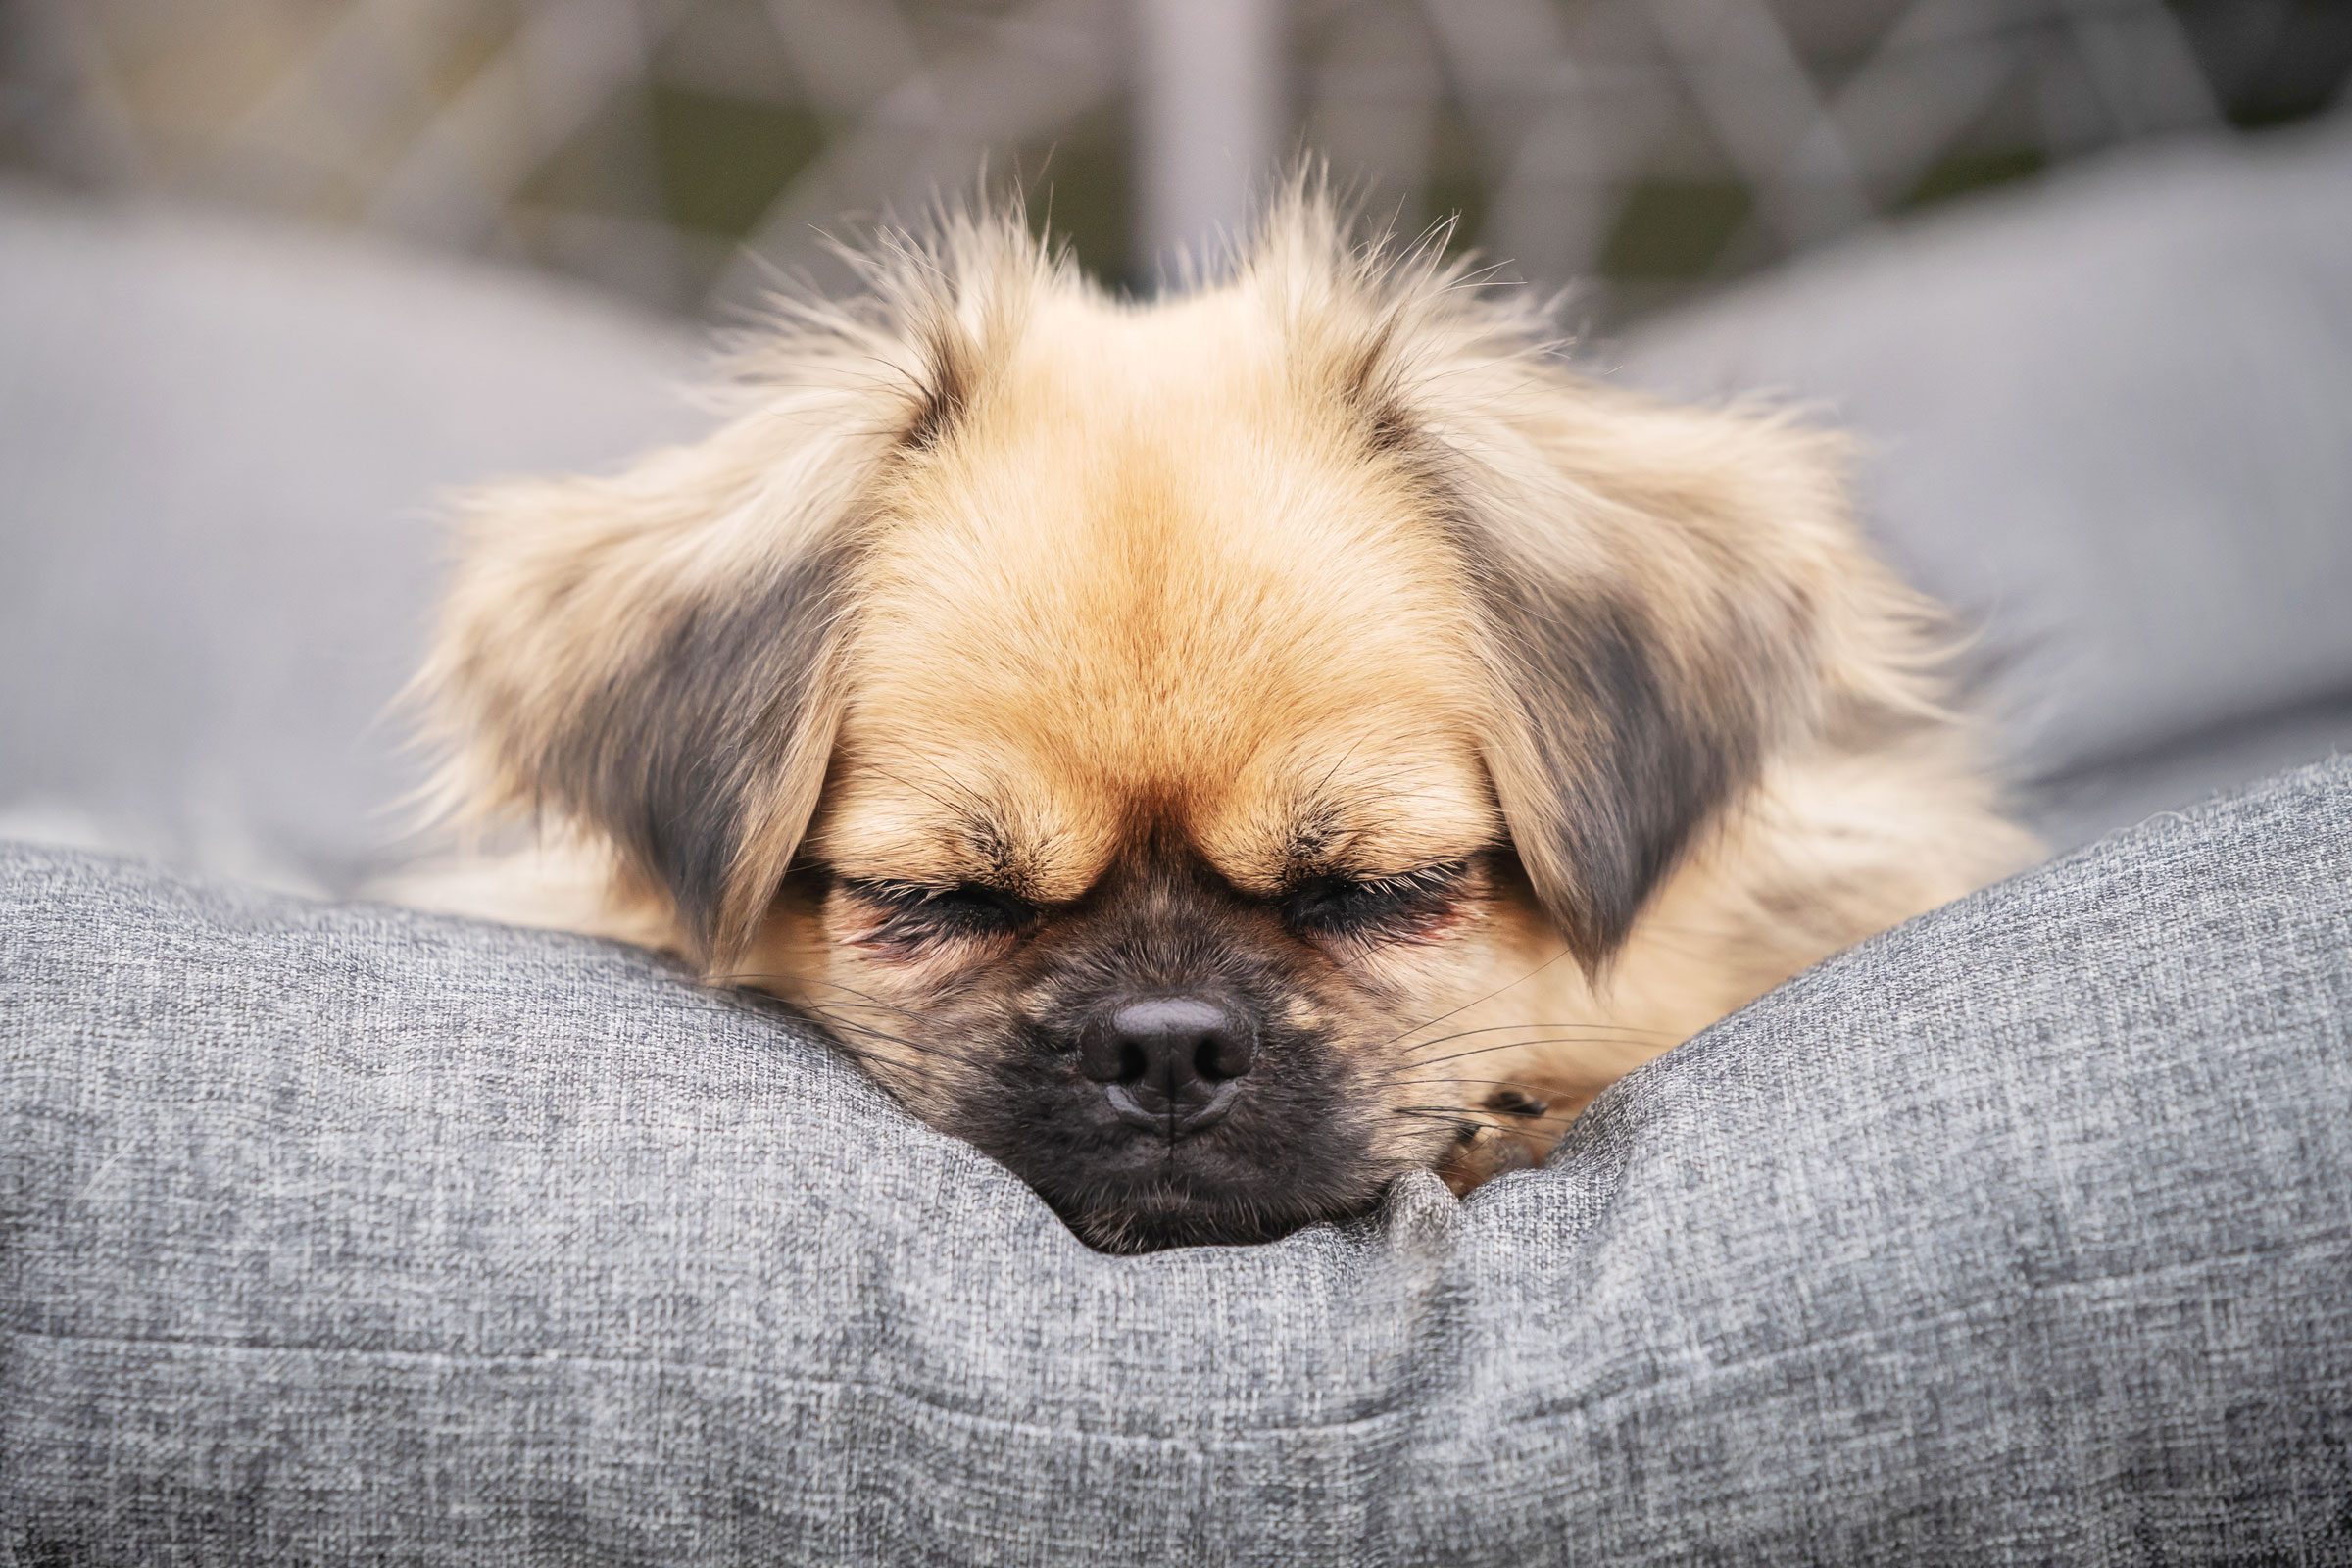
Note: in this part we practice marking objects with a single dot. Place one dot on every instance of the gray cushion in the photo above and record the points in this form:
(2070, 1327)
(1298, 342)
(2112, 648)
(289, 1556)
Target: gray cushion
(339, 1232)
(2111, 421)
(221, 445)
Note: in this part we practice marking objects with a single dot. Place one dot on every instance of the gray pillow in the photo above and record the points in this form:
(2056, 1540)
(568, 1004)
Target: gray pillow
(341, 1233)
(2110, 420)
(221, 449)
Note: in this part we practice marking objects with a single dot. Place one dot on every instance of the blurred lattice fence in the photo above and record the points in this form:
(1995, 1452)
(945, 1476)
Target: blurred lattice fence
(660, 146)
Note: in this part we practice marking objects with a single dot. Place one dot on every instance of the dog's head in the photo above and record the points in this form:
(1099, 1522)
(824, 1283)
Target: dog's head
(1141, 731)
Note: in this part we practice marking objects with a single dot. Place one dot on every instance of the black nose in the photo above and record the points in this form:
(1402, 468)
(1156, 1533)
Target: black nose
(1170, 1063)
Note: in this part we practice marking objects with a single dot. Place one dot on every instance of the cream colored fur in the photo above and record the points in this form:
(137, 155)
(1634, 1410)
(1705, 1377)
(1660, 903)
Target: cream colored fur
(1204, 571)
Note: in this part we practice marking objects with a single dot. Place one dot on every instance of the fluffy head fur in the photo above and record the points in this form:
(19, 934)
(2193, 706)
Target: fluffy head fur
(1315, 642)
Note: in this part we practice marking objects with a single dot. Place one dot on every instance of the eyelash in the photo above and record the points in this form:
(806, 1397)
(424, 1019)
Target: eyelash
(1398, 905)
(920, 914)
(1389, 907)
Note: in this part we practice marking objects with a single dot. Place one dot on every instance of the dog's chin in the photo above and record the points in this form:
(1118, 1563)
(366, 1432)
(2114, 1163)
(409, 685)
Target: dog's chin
(1189, 1197)
(1294, 1154)
(1152, 1219)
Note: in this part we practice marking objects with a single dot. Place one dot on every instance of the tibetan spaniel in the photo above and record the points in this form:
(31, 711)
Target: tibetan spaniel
(1214, 753)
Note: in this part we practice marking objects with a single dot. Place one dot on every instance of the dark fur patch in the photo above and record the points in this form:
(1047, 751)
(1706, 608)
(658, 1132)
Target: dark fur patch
(665, 757)
(1369, 386)
(945, 391)
(1638, 767)
(1293, 1150)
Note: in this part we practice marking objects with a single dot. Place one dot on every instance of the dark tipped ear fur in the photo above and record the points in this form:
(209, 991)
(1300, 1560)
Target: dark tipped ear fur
(678, 755)
(1614, 748)
(653, 658)
(650, 663)
(1664, 595)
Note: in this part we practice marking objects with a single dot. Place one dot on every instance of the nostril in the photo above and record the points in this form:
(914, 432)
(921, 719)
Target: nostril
(1133, 1065)
(1204, 1061)
(1222, 1055)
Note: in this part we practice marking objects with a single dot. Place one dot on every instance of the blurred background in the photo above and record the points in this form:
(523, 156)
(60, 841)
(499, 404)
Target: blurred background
(277, 276)
(673, 151)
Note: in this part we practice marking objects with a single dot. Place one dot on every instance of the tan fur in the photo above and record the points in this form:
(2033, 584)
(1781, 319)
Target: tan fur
(1218, 572)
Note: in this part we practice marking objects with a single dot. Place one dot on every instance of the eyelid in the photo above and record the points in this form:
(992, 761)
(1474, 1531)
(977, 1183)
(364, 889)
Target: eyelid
(893, 890)
(1390, 907)
(923, 901)
(910, 916)
(884, 889)
(1430, 878)
(1435, 874)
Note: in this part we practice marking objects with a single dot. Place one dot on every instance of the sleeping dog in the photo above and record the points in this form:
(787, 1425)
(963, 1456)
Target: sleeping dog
(1218, 754)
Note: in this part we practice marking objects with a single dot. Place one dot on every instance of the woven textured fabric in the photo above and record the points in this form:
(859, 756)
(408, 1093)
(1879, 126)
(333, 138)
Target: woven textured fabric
(2023, 1234)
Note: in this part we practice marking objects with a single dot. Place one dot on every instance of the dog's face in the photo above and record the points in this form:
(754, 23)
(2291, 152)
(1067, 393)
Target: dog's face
(1157, 814)
(1145, 735)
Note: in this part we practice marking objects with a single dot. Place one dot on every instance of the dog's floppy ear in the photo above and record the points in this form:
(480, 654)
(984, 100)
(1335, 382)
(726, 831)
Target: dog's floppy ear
(1665, 597)
(648, 662)
(653, 659)
(1669, 598)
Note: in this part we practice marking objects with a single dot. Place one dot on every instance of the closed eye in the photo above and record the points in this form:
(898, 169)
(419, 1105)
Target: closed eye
(1376, 908)
(916, 914)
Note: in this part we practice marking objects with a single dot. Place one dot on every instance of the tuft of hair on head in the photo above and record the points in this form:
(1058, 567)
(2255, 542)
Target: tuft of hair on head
(933, 304)
(652, 658)
(1371, 311)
